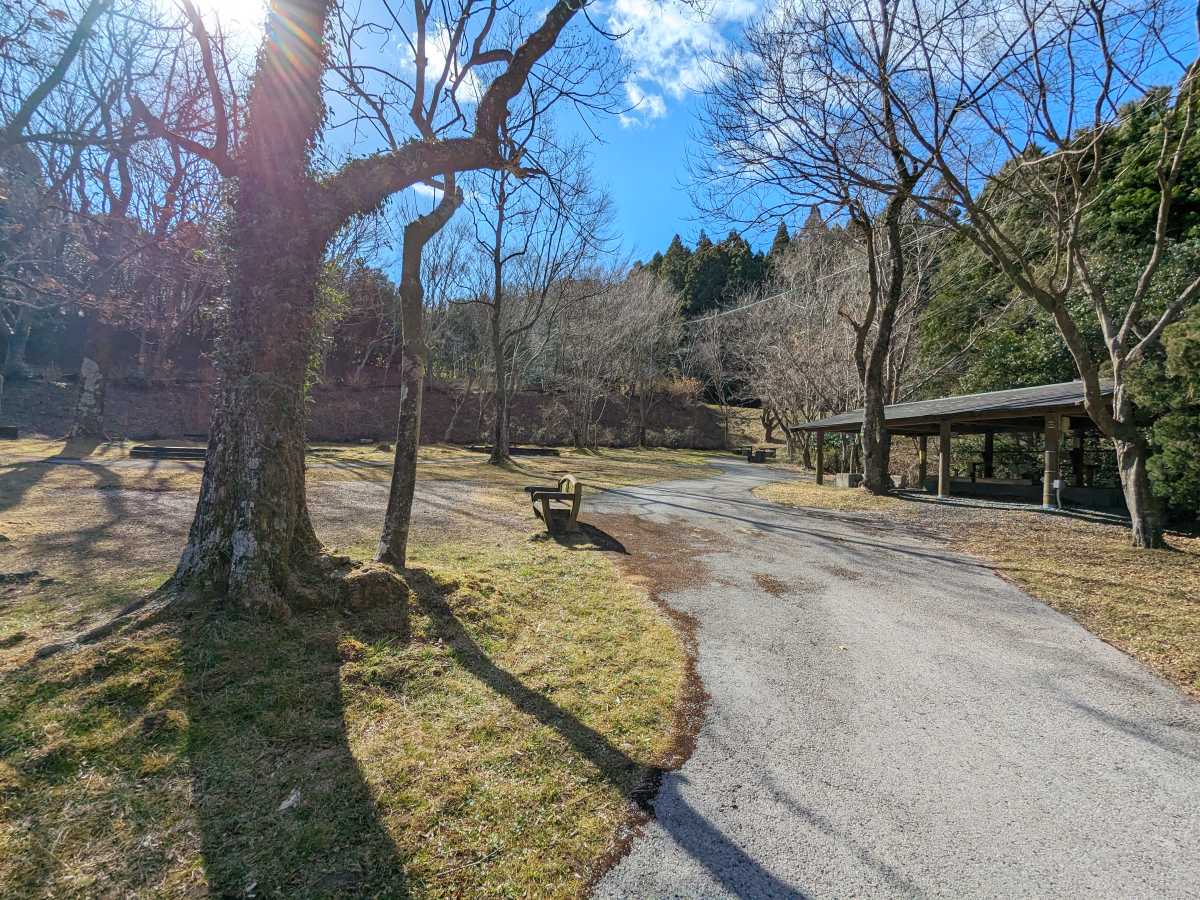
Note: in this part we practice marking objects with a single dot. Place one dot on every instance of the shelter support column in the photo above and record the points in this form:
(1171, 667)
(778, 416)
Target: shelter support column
(989, 454)
(1077, 459)
(1051, 472)
(820, 457)
(922, 460)
(944, 460)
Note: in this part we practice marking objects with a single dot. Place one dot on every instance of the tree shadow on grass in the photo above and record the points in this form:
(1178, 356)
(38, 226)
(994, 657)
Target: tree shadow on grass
(728, 863)
(18, 479)
(249, 712)
(282, 805)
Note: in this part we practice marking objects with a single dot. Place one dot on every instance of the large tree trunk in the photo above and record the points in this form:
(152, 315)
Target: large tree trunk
(768, 424)
(1143, 508)
(393, 543)
(15, 366)
(876, 439)
(1132, 455)
(1117, 423)
(876, 444)
(251, 536)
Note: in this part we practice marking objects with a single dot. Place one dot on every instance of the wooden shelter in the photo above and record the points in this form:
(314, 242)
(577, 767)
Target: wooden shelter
(1050, 409)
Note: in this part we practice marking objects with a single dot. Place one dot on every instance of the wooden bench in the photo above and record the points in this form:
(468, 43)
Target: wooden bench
(759, 454)
(552, 503)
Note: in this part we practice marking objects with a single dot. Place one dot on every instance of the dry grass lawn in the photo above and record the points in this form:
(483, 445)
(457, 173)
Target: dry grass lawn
(109, 465)
(484, 739)
(1146, 602)
(814, 496)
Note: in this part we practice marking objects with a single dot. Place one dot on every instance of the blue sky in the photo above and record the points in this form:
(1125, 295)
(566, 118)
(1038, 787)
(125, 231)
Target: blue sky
(643, 167)
(642, 161)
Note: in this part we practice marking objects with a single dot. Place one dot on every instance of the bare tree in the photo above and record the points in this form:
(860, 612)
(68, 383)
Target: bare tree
(710, 354)
(1035, 98)
(414, 357)
(644, 313)
(90, 202)
(534, 237)
(252, 537)
(793, 348)
(807, 111)
(587, 349)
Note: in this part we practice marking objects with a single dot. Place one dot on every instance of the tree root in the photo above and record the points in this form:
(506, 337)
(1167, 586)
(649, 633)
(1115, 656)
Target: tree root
(330, 580)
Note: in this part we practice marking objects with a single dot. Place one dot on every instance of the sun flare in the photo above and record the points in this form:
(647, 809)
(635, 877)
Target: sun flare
(242, 19)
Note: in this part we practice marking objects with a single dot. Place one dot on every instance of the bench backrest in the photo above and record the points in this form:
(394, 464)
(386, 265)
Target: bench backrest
(569, 484)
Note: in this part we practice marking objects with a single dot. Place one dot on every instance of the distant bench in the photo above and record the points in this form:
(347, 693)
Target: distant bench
(554, 503)
(756, 454)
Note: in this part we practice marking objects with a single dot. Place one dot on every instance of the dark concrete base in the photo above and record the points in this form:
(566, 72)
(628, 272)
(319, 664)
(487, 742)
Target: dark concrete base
(516, 451)
(9, 433)
(142, 451)
(1096, 498)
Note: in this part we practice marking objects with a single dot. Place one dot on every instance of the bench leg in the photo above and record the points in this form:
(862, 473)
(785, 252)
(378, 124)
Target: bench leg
(548, 516)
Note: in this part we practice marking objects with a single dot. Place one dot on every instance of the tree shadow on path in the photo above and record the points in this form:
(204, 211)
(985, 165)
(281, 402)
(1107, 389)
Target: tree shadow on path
(640, 783)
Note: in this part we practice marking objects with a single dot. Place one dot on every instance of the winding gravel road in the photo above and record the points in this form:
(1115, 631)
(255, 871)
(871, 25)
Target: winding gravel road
(890, 719)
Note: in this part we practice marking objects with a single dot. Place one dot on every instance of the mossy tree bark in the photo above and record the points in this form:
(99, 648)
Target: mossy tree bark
(251, 537)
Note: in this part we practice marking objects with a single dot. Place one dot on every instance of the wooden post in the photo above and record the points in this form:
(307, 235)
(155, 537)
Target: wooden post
(944, 460)
(922, 460)
(820, 457)
(989, 454)
(1051, 472)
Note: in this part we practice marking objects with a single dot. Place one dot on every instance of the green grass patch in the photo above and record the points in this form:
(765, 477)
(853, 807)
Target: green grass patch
(481, 739)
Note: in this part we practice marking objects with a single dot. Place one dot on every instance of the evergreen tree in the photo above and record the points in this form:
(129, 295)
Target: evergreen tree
(745, 270)
(781, 241)
(673, 266)
(708, 271)
(815, 221)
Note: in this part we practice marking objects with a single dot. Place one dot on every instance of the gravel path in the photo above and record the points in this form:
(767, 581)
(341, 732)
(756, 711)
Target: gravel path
(890, 719)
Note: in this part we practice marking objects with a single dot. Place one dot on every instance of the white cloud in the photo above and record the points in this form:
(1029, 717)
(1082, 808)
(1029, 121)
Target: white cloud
(438, 56)
(667, 44)
(422, 189)
(643, 106)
